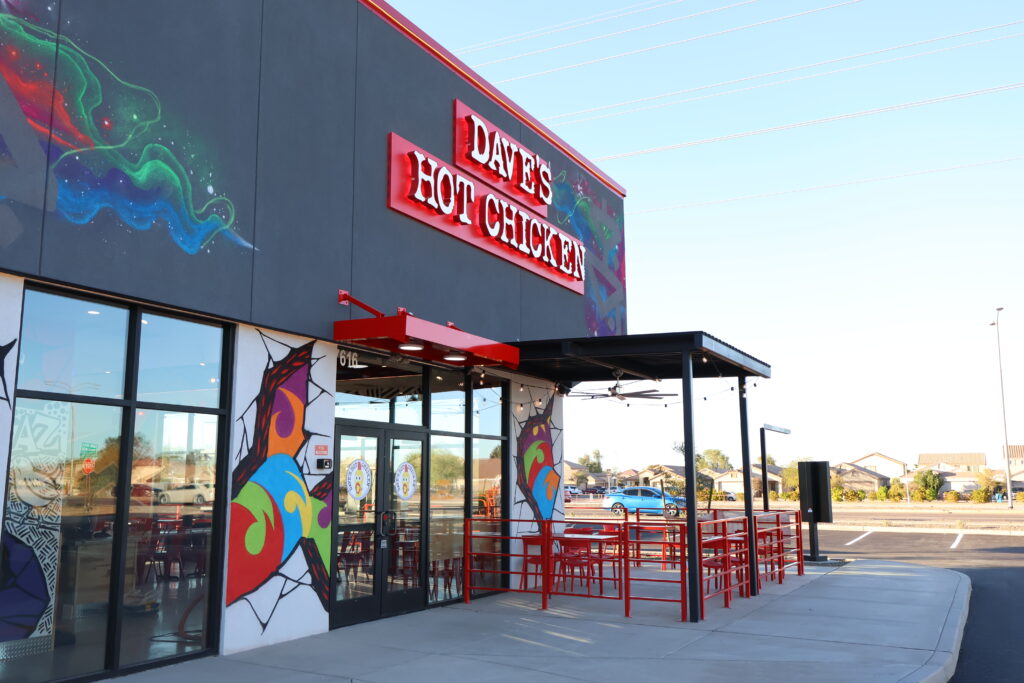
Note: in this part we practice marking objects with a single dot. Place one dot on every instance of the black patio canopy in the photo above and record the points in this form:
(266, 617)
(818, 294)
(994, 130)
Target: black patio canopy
(643, 356)
(671, 355)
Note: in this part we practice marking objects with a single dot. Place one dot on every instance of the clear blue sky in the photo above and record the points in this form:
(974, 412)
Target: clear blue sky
(870, 301)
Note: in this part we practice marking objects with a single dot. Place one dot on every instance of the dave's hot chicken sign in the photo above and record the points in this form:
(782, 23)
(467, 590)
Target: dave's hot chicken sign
(495, 196)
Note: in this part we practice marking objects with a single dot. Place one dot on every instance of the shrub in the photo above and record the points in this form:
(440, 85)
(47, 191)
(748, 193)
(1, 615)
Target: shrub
(980, 496)
(883, 493)
(951, 497)
(837, 493)
(871, 495)
(1019, 496)
(897, 492)
(918, 495)
(739, 496)
(791, 495)
(773, 495)
(851, 495)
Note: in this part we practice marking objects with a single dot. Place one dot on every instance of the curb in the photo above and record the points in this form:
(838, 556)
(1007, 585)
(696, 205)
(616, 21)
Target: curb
(921, 530)
(941, 666)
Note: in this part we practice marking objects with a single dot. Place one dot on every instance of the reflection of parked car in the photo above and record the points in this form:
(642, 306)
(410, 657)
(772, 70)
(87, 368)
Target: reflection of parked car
(567, 497)
(185, 494)
(646, 498)
(144, 493)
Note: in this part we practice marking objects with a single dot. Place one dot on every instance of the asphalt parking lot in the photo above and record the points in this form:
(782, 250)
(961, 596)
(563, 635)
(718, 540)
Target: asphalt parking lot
(991, 648)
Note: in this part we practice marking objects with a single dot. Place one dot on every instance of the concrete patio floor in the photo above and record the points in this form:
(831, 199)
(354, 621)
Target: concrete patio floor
(865, 621)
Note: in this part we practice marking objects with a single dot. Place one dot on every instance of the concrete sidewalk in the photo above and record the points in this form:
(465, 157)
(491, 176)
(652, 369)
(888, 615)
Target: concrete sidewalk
(869, 620)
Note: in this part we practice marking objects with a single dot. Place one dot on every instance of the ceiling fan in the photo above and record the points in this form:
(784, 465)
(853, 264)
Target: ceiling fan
(615, 391)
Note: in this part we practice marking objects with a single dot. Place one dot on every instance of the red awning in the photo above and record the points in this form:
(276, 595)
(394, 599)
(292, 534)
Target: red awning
(408, 335)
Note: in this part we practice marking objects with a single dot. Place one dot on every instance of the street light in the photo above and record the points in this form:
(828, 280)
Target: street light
(764, 462)
(1002, 394)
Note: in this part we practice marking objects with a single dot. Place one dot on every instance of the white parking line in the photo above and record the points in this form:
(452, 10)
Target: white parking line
(860, 537)
(959, 537)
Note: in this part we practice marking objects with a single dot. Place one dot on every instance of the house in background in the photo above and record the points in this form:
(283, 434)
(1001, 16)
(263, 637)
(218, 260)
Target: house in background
(860, 478)
(1016, 454)
(573, 472)
(732, 480)
(968, 462)
(654, 475)
(628, 477)
(883, 464)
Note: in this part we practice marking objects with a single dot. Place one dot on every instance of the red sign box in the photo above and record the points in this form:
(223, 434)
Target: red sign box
(495, 157)
(88, 466)
(423, 187)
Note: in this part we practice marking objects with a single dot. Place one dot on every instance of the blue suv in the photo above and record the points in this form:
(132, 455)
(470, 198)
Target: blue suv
(647, 498)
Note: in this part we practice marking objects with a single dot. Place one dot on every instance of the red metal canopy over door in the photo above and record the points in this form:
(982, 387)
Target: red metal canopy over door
(406, 334)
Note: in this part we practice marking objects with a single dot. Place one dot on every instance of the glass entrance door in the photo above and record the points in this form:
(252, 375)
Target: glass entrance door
(379, 537)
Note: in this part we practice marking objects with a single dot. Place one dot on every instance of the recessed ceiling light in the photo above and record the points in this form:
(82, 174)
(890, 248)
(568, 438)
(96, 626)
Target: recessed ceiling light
(90, 312)
(455, 357)
(358, 366)
(145, 322)
(410, 346)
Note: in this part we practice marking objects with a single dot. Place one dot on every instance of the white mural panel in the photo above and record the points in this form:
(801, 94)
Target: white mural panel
(277, 584)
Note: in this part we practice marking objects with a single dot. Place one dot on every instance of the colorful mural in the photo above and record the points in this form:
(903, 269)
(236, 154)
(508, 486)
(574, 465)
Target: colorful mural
(599, 225)
(279, 537)
(537, 465)
(110, 149)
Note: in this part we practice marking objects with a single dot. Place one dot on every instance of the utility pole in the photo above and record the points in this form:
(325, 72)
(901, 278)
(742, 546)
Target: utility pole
(1002, 395)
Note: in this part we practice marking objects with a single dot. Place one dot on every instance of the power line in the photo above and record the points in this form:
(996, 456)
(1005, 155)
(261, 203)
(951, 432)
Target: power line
(775, 73)
(795, 79)
(563, 26)
(859, 181)
(613, 34)
(679, 42)
(801, 124)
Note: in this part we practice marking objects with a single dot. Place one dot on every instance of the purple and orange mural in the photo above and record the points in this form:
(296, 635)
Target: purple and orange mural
(537, 463)
(106, 142)
(279, 537)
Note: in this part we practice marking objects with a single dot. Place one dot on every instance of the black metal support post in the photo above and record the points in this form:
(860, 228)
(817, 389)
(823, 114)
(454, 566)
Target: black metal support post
(812, 536)
(764, 473)
(693, 570)
(748, 489)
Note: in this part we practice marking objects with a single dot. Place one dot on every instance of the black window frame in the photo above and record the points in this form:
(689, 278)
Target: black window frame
(129, 405)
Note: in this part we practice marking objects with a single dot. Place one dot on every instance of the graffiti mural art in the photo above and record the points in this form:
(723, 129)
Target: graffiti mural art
(598, 225)
(279, 536)
(537, 465)
(106, 142)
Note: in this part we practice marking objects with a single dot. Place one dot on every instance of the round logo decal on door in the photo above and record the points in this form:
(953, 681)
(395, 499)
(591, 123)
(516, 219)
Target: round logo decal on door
(405, 481)
(359, 479)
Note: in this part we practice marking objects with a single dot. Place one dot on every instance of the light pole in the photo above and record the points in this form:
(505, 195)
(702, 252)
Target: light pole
(1002, 394)
(764, 462)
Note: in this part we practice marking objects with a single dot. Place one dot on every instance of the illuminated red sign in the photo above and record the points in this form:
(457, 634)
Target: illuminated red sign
(458, 203)
(495, 157)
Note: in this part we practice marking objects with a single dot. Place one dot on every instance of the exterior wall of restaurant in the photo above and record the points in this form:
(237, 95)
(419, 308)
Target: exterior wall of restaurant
(217, 181)
(277, 583)
(145, 185)
(536, 463)
(10, 330)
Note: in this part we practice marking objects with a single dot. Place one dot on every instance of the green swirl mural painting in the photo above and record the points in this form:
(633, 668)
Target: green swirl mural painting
(108, 146)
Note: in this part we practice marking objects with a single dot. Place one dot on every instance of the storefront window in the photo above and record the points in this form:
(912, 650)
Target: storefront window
(58, 539)
(378, 389)
(447, 508)
(72, 346)
(486, 501)
(486, 410)
(63, 536)
(170, 522)
(179, 362)
(447, 401)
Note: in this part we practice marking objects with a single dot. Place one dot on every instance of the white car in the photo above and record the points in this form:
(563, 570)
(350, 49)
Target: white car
(183, 494)
(574, 490)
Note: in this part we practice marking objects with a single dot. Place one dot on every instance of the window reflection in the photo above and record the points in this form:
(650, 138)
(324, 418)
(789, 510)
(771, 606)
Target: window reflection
(447, 506)
(486, 501)
(448, 401)
(72, 346)
(58, 539)
(170, 518)
(179, 362)
(487, 400)
(355, 562)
